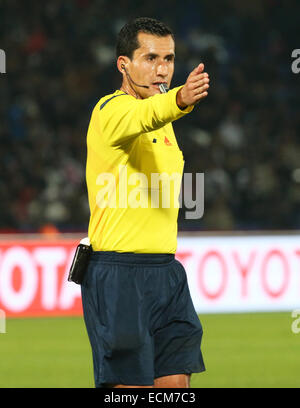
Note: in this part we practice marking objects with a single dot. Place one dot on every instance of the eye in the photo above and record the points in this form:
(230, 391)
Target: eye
(150, 57)
(170, 58)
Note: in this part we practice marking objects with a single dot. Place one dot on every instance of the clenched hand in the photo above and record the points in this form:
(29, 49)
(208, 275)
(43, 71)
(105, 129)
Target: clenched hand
(195, 88)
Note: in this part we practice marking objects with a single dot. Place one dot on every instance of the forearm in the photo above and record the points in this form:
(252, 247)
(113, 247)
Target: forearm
(130, 118)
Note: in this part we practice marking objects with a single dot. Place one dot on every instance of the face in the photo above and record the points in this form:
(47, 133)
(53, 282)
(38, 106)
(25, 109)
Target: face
(152, 63)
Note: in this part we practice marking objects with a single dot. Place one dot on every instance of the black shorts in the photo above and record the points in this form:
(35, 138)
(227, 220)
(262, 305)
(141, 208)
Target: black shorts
(140, 318)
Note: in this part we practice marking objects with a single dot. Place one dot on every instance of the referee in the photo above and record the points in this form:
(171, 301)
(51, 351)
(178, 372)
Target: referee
(142, 326)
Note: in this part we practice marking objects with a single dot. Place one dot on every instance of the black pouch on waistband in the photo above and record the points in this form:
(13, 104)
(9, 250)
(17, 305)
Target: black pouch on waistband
(80, 263)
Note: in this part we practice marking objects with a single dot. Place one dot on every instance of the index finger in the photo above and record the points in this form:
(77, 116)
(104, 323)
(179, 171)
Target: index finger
(199, 77)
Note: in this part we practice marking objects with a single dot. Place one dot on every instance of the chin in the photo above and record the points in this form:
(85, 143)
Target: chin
(154, 92)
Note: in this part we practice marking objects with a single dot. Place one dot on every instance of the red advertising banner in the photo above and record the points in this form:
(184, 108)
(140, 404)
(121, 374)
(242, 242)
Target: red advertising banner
(33, 278)
(248, 273)
(225, 274)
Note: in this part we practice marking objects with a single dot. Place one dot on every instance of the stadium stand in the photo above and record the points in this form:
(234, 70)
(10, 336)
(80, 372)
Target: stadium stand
(245, 137)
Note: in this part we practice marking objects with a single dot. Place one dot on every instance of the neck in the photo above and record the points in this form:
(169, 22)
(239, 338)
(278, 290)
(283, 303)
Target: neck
(128, 88)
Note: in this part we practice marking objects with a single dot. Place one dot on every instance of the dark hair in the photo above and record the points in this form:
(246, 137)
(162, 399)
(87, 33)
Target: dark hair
(127, 41)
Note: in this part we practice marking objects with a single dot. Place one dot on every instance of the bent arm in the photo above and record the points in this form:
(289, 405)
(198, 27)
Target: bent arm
(125, 117)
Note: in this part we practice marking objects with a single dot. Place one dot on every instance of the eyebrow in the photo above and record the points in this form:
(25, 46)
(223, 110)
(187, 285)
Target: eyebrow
(152, 54)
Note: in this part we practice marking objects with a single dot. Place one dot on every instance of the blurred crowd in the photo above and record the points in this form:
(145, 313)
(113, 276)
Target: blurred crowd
(244, 137)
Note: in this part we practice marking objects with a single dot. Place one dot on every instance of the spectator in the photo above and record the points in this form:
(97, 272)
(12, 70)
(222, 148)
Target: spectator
(244, 138)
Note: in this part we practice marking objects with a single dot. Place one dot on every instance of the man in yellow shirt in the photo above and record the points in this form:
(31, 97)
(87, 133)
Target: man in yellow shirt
(141, 322)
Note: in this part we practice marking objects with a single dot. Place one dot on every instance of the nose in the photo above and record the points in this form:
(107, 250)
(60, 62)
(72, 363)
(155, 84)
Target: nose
(162, 69)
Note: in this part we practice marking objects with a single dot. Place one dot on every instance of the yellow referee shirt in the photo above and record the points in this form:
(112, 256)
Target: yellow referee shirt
(133, 173)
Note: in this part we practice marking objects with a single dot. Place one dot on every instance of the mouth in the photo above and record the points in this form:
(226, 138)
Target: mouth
(156, 84)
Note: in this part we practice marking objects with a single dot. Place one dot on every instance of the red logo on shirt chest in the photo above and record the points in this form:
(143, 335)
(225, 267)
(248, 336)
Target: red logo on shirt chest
(167, 142)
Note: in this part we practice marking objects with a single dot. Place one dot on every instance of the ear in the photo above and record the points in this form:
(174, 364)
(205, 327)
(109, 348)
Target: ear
(121, 62)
